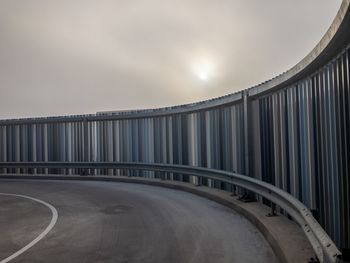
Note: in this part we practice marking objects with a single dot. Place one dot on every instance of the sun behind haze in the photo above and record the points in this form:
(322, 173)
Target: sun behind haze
(73, 57)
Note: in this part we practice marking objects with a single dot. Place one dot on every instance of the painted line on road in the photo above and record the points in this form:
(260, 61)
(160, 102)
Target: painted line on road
(42, 235)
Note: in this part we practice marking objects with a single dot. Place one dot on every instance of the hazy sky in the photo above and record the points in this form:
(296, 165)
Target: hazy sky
(82, 56)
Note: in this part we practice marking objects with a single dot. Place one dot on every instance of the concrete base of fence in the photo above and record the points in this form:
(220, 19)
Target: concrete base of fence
(285, 237)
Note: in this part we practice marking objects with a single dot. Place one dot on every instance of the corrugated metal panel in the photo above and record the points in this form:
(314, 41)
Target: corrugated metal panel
(304, 138)
(296, 138)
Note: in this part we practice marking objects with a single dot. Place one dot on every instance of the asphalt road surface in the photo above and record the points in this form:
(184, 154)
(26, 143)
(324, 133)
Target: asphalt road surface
(120, 222)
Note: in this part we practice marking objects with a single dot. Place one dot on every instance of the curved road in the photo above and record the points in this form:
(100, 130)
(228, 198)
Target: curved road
(120, 222)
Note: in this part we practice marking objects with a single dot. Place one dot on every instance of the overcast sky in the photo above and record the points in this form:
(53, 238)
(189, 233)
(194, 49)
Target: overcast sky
(82, 56)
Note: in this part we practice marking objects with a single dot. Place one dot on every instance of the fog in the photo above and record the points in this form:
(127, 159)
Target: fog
(74, 57)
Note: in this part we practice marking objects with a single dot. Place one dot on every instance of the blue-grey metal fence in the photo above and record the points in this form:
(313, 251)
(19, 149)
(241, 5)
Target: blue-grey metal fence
(292, 131)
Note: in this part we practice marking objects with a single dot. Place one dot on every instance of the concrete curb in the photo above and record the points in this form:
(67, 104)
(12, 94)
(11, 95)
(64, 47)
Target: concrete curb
(287, 240)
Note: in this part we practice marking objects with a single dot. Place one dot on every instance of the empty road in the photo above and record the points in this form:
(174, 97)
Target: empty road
(121, 222)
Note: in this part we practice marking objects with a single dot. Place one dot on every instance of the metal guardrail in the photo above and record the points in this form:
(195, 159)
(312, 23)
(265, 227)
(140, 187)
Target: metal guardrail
(322, 244)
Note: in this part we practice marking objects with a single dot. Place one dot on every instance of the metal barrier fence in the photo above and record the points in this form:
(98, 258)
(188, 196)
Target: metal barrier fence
(292, 131)
(323, 246)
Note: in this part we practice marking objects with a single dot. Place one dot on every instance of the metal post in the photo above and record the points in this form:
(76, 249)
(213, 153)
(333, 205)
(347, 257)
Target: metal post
(247, 196)
(273, 210)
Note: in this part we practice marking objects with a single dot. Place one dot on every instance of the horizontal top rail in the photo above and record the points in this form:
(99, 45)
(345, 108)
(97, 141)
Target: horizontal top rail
(227, 100)
(322, 244)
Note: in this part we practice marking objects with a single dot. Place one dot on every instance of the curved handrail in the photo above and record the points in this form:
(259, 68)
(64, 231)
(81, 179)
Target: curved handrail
(322, 244)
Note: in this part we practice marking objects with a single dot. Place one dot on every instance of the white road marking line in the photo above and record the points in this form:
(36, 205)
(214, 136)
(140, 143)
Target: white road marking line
(42, 235)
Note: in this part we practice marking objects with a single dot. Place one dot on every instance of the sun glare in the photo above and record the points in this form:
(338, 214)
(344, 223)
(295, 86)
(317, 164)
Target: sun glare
(203, 76)
(204, 70)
